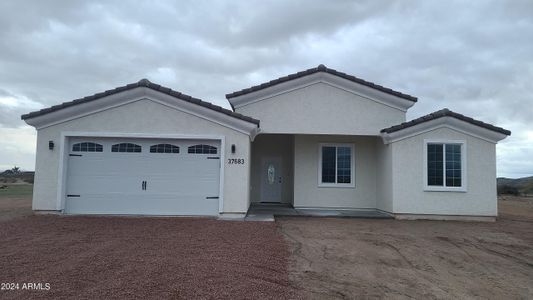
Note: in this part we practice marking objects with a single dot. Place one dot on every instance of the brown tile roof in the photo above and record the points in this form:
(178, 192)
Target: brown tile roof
(140, 83)
(445, 113)
(320, 68)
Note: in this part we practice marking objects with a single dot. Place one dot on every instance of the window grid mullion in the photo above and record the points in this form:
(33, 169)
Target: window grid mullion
(444, 165)
(336, 163)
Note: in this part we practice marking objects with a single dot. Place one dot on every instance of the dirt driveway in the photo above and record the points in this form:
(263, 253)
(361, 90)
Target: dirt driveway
(137, 258)
(150, 258)
(356, 258)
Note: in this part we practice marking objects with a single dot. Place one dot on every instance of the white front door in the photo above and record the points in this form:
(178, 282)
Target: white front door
(143, 176)
(271, 179)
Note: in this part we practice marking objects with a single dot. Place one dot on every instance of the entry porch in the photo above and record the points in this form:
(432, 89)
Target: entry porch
(268, 211)
(337, 173)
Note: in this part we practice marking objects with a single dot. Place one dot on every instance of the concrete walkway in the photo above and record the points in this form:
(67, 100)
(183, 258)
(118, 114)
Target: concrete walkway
(268, 211)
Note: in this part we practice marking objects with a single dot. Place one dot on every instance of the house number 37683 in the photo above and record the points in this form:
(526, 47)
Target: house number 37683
(236, 161)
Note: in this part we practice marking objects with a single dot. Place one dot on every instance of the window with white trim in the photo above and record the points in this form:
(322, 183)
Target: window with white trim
(336, 165)
(445, 165)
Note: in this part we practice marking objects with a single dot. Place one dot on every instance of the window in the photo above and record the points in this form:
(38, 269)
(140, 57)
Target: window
(87, 147)
(445, 165)
(125, 147)
(202, 149)
(164, 148)
(336, 165)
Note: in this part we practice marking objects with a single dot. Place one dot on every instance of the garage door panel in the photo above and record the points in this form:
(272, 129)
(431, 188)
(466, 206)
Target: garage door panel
(111, 182)
(194, 185)
(103, 184)
(84, 165)
(161, 187)
(142, 205)
(184, 161)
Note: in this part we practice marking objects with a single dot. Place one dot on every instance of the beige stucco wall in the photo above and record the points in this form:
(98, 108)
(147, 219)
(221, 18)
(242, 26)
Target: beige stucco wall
(307, 193)
(273, 145)
(142, 117)
(408, 179)
(322, 109)
(383, 176)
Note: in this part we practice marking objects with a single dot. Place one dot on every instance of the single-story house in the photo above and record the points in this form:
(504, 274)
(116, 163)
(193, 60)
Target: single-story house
(318, 138)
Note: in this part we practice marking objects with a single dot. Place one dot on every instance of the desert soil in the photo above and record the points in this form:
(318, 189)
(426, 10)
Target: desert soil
(314, 258)
(150, 258)
(357, 258)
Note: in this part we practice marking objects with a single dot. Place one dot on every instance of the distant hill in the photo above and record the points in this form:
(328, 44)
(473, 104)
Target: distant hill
(519, 186)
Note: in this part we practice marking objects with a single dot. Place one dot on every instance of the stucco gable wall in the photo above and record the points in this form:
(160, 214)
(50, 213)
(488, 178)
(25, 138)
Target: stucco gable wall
(409, 196)
(321, 108)
(141, 117)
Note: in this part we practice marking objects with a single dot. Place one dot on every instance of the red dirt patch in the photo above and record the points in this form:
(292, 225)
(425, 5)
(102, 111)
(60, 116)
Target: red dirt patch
(120, 257)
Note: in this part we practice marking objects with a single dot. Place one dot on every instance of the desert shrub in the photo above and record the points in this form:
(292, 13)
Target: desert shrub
(8, 179)
(508, 190)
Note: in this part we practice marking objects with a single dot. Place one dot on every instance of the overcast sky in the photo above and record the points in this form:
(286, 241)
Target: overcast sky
(473, 57)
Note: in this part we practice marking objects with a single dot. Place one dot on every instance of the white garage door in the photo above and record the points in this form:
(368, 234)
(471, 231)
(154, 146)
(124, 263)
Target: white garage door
(143, 176)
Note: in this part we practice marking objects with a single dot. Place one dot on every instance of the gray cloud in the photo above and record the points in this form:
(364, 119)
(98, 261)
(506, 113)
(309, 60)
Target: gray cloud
(475, 58)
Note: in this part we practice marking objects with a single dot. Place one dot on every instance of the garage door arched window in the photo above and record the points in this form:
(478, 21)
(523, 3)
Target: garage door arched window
(87, 147)
(202, 149)
(126, 147)
(164, 148)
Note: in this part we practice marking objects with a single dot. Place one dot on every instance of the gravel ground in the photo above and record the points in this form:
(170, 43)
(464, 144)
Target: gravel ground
(356, 258)
(121, 257)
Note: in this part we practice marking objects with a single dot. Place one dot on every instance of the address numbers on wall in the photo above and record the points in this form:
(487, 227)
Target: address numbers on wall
(235, 161)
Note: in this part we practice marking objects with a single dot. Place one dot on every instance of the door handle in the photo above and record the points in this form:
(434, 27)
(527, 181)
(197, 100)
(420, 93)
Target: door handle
(280, 179)
(145, 183)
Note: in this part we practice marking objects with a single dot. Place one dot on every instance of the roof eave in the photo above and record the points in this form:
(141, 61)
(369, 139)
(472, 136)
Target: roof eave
(324, 69)
(73, 112)
(450, 122)
(142, 83)
(322, 77)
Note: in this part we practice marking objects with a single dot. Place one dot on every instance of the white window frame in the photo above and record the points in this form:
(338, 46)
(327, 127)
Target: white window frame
(444, 188)
(352, 166)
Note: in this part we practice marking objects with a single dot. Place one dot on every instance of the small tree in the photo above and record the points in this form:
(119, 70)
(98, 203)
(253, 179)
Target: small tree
(15, 170)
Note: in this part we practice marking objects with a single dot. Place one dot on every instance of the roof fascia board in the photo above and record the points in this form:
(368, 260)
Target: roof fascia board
(86, 108)
(136, 94)
(444, 122)
(322, 77)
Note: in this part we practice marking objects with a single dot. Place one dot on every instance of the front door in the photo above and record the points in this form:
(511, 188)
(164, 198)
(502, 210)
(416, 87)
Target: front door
(271, 179)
